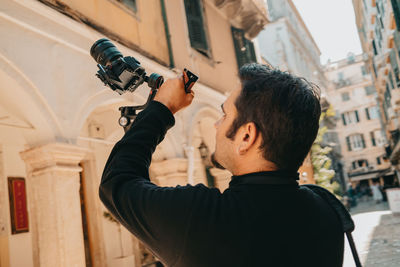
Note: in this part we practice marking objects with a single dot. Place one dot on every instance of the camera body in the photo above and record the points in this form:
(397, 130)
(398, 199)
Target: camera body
(123, 74)
(120, 73)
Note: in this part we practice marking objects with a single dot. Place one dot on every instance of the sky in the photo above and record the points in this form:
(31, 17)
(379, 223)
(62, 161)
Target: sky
(332, 25)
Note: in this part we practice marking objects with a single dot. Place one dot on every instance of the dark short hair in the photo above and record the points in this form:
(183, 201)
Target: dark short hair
(285, 110)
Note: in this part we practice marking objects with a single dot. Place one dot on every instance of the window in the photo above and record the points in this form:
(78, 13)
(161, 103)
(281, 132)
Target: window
(373, 141)
(340, 76)
(374, 67)
(351, 58)
(350, 117)
(131, 4)
(244, 48)
(374, 47)
(381, 12)
(372, 113)
(377, 138)
(363, 70)
(378, 161)
(365, 6)
(369, 90)
(359, 163)
(387, 96)
(195, 21)
(395, 67)
(396, 37)
(384, 107)
(378, 34)
(345, 97)
(391, 80)
(355, 142)
(396, 11)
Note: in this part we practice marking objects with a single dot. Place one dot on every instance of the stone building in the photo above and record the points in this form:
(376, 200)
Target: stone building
(58, 122)
(359, 126)
(378, 23)
(287, 44)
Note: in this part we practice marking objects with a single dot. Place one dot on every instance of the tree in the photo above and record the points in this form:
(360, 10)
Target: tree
(323, 173)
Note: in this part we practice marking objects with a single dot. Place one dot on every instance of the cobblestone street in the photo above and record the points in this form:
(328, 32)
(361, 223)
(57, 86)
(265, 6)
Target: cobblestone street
(377, 236)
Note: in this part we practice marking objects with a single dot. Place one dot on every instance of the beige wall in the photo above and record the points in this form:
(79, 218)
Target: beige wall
(13, 246)
(145, 28)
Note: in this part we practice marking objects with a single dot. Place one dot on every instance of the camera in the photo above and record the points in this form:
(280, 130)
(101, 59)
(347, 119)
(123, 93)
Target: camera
(123, 74)
(120, 73)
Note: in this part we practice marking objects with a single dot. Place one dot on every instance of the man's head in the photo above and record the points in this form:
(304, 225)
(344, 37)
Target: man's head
(273, 118)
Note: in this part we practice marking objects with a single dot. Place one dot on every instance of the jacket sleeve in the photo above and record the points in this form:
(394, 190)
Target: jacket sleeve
(158, 216)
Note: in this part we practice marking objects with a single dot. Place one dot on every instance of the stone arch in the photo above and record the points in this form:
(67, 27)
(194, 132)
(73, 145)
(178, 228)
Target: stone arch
(202, 127)
(23, 100)
(202, 130)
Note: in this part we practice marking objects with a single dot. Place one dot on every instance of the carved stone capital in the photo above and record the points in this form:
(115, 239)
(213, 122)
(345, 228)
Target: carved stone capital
(170, 172)
(51, 157)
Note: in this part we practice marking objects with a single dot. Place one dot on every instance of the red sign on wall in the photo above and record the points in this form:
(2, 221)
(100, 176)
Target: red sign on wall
(18, 205)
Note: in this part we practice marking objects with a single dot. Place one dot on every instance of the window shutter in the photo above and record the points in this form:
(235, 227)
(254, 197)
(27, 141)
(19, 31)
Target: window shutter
(244, 48)
(363, 141)
(344, 119)
(357, 118)
(194, 17)
(131, 4)
(348, 143)
(374, 47)
(396, 11)
(367, 113)
(250, 50)
(373, 138)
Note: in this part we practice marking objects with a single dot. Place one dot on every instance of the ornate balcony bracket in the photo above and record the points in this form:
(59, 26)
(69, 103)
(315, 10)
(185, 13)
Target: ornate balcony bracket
(249, 15)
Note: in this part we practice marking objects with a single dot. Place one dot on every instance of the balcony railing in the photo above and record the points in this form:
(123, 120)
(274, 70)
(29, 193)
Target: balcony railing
(349, 81)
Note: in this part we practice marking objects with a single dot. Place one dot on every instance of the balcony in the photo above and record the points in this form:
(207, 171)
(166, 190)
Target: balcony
(249, 15)
(350, 81)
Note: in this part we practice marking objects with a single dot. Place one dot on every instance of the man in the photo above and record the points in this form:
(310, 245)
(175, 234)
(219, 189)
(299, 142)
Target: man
(264, 218)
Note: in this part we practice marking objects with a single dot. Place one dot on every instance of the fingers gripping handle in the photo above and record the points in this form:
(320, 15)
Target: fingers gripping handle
(189, 79)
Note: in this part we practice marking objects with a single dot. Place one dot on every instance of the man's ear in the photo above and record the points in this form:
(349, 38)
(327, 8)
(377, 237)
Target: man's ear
(248, 137)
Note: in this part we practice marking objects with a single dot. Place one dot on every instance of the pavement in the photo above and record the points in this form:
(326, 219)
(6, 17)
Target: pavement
(377, 236)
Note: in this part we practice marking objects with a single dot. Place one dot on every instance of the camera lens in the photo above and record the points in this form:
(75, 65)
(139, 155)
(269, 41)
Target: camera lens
(104, 52)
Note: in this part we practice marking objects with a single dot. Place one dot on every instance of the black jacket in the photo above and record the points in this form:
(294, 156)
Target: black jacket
(257, 221)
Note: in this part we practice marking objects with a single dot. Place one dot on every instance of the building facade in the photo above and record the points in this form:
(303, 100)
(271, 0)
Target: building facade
(359, 125)
(287, 44)
(58, 122)
(378, 25)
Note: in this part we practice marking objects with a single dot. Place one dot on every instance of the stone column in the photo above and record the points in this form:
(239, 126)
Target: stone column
(189, 150)
(170, 172)
(54, 204)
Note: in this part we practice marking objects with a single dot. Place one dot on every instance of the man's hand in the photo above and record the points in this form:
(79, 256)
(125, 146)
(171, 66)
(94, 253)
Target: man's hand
(172, 94)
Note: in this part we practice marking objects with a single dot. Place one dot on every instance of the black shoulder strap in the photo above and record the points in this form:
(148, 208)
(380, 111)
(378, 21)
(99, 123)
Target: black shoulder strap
(341, 212)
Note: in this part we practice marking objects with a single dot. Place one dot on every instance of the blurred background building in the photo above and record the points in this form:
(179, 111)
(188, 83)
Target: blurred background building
(287, 44)
(378, 25)
(359, 125)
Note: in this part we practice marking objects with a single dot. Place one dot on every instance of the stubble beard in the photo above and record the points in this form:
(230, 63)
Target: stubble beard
(215, 162)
